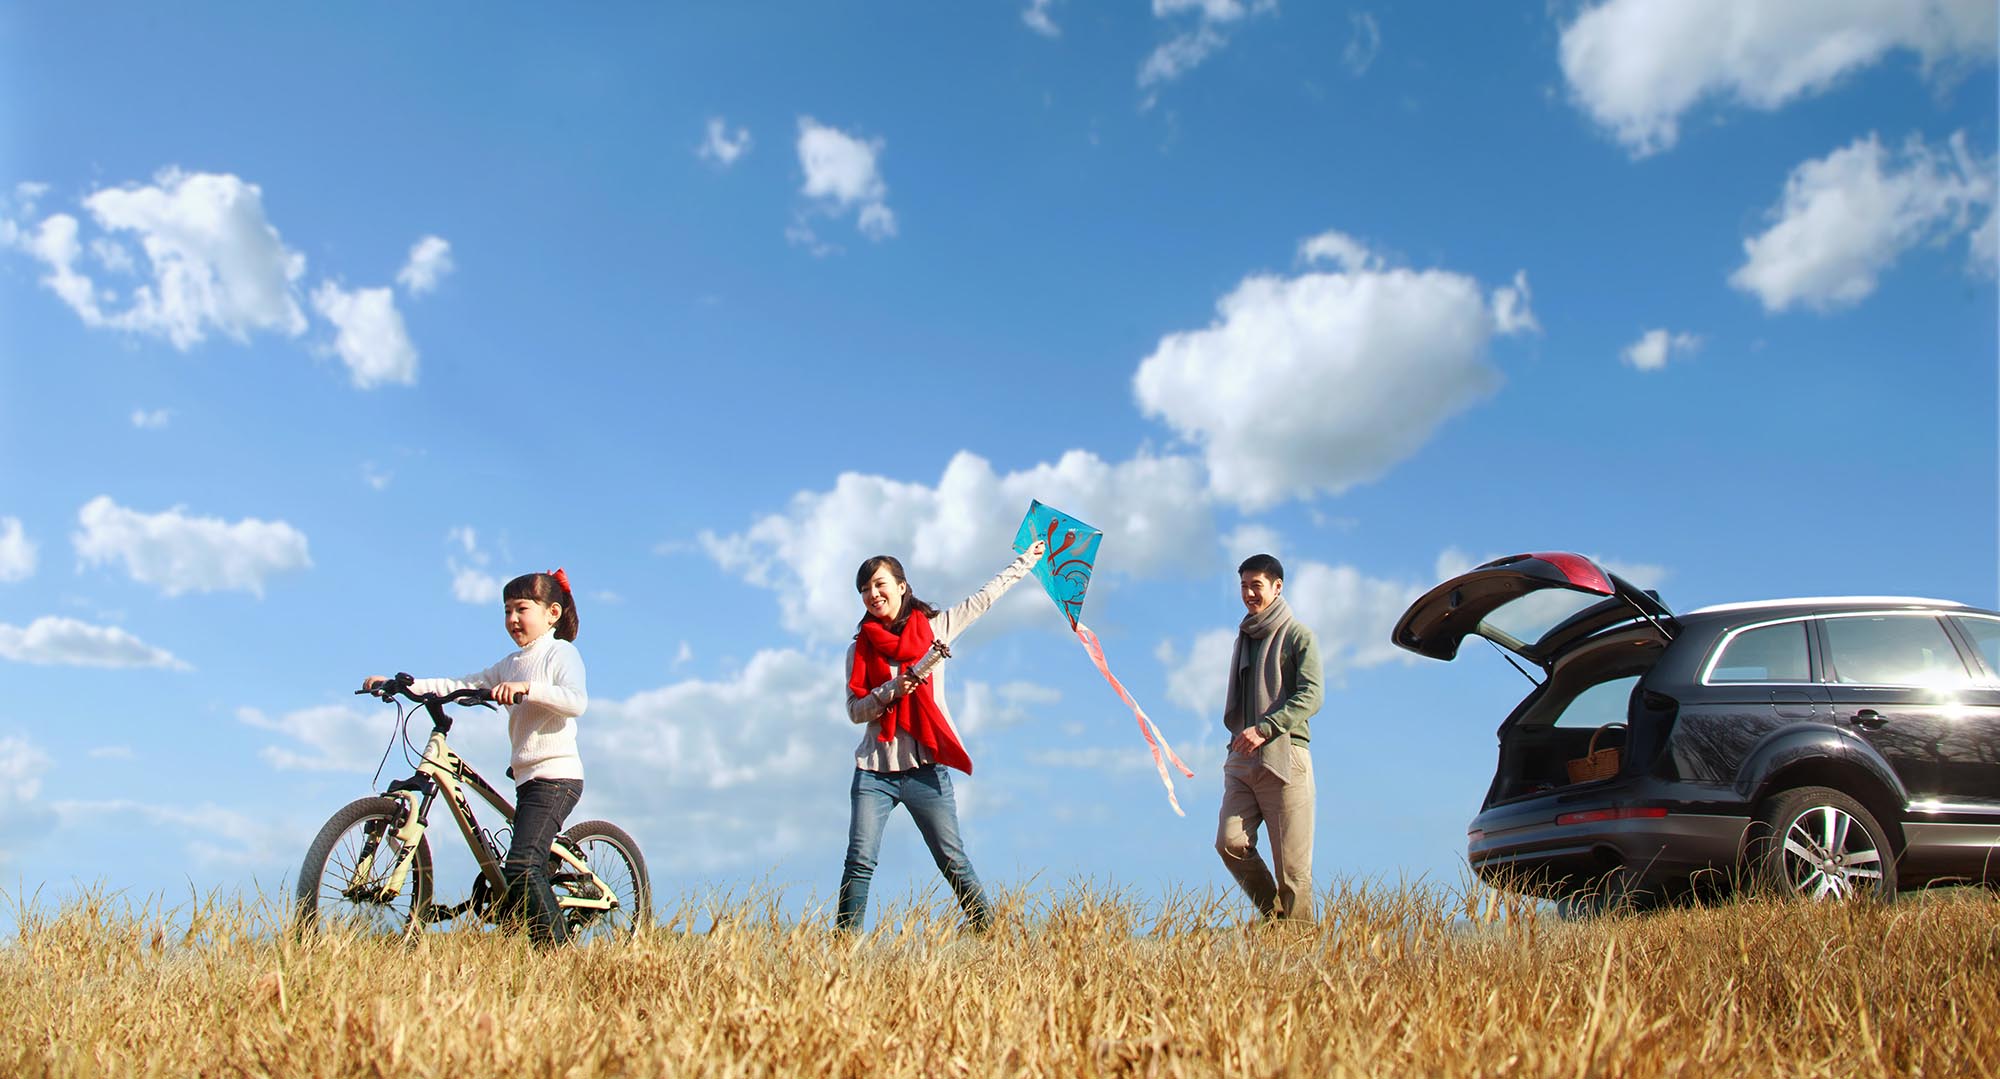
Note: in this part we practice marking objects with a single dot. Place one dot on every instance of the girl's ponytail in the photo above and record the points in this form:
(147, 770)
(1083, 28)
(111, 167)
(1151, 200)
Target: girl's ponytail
(548, 588)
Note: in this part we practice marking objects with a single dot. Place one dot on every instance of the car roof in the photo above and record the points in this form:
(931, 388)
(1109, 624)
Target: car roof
(1802, 604)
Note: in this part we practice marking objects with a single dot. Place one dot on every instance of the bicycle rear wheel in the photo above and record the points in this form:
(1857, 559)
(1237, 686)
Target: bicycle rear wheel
(341, 881)
(615, 858)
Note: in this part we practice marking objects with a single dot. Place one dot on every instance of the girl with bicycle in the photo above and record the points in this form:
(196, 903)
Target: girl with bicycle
(910, 740)
(541, 685)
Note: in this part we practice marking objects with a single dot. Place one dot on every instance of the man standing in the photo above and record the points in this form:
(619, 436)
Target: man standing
(1274, 689)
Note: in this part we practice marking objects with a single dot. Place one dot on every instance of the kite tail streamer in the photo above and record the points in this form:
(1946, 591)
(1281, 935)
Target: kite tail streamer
(1155, 741)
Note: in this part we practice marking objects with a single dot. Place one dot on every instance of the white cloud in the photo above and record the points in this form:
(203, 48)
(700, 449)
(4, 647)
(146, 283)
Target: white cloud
(22, 765)
(1984, 245)
(370, 339)
(113, 256)
(1349, 612)
(1651, 350)
(1187, 49)
(178, 553)
(1325, 380)
(720, 146)
(842, 174)
(953, 536)
(1248, 539)
(151, 420)
(1198, 680)
(1637, 66)
(1344, 251)
(688, 758)
(1511, 311)
(430, 262)
(1846, 217)
(341, 739)
(113, 753)
(22, 816)
(474, 586)
(55, 243)
(470, 582)
(17, 551)
(1103, 760)
(982, 708)
(1211, 10)
(1352, 614)
(213, 835)
(1363, 45)
(377, 478)
(214, 262)
(54, 641)
(1036, 15)
(1179, 55)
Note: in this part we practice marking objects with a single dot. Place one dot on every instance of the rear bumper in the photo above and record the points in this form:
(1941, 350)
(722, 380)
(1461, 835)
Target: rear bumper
(1529, 851)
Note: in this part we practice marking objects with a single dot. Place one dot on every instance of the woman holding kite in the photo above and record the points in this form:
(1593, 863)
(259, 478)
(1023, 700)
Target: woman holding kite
(895, 689)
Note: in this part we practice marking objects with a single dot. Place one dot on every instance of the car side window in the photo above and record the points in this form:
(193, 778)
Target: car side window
(1985, 636)
(1892, 650)
(1605, 702)
(1765, 654)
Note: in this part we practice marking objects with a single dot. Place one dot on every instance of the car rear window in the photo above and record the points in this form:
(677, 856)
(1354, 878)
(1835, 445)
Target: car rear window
(1530, 618)
(1985, 634)
(1893, 650)
(1765, 654)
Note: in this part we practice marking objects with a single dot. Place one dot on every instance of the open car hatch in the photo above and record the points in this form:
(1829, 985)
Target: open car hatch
(1533, 605)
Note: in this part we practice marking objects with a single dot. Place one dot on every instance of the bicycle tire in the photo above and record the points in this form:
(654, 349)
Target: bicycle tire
(614, 856)
(327, 899)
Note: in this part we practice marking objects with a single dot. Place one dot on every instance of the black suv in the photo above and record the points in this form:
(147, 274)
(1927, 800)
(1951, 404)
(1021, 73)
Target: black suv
(1824, 747)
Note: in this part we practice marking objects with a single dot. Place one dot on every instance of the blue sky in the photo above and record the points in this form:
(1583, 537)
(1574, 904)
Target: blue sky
(314, 326)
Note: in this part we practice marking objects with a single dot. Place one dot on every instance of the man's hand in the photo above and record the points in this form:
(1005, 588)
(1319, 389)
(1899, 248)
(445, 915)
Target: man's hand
(1247, 740)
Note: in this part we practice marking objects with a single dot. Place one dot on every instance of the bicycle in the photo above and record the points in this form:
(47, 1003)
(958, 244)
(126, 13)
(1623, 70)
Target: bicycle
(369, 868)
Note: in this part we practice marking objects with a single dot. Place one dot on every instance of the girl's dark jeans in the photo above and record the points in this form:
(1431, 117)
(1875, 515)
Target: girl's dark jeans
(539, 810)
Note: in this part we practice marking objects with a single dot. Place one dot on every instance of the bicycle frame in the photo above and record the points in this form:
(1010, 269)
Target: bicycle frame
(441, 771)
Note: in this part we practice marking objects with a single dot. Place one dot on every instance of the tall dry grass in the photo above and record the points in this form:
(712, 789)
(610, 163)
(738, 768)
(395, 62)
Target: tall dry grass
(1411, 981)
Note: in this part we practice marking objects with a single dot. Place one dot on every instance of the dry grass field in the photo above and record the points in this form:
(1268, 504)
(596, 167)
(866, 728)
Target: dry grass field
(1391, 982)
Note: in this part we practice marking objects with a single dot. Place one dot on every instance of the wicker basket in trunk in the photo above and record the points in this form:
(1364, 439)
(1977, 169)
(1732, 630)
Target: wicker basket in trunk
(1596, 763)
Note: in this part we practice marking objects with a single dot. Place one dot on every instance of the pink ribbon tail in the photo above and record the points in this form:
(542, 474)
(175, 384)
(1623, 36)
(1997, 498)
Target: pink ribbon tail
(1155, 741)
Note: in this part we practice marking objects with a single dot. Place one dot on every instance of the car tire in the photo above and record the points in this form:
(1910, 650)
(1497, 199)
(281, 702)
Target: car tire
(1820, 843)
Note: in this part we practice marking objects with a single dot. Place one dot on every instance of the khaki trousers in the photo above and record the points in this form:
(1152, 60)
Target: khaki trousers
(1251, 796)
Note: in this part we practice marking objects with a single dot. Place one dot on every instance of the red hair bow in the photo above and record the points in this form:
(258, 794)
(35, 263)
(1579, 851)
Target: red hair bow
(561, 578)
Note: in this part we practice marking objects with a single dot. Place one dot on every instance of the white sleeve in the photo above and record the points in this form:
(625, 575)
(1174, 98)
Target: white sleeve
(951, 623)
(563, 692)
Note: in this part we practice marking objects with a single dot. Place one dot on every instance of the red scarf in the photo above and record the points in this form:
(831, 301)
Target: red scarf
(876, 646)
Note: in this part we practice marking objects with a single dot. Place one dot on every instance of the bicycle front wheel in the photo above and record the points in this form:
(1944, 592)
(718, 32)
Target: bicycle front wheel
(614, 857)
(343, 879)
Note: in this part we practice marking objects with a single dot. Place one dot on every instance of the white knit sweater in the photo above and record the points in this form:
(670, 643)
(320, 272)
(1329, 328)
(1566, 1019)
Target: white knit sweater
(543, 727)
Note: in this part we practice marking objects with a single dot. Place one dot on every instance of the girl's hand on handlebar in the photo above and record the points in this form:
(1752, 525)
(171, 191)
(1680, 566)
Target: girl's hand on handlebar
(369, 683)
(509, 692)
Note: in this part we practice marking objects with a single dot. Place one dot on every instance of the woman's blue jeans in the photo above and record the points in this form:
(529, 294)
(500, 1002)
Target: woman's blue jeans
(927, 793)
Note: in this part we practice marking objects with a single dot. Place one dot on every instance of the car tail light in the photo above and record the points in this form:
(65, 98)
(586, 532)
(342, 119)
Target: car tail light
(1589, 816)
(1578, 570)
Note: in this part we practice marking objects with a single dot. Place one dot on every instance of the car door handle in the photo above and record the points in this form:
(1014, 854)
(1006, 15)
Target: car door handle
(1869, 718)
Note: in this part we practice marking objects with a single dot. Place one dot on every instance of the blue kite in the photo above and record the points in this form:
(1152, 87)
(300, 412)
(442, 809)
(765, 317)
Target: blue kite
(1065, 569)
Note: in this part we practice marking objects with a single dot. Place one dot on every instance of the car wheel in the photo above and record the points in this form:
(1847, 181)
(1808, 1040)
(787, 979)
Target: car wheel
(1817, 843)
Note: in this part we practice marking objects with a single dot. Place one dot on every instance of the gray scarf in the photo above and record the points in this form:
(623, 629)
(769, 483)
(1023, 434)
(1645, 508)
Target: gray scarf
(1256, 675)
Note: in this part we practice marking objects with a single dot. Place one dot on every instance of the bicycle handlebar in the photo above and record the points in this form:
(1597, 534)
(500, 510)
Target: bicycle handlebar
(400, 684)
